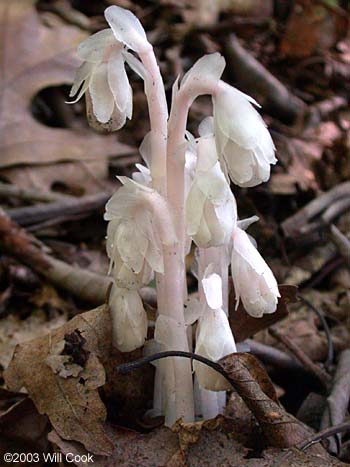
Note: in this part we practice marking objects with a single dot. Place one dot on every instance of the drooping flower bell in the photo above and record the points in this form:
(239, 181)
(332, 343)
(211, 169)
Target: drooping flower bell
(102, 75)
(245, 147)
(103, 78)
(139, 225)
(214, 336)
(211, 211)
(129, 319)
(253, 280)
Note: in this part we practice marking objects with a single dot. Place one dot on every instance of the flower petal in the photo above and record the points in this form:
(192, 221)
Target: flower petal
(212, 287)
(118, 80)
(82, 75)
(101, 95)
(93, 48)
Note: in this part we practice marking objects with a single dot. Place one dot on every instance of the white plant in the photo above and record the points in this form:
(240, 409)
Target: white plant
(181, 194)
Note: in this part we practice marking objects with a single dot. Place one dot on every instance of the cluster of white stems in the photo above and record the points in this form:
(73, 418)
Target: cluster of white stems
(181, 195)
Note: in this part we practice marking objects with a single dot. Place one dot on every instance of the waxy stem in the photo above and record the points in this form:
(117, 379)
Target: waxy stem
(173, 393)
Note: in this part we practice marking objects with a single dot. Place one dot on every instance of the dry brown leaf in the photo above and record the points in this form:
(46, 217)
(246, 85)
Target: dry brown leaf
(34, 56)
(244, 325)
(14, 330)
(302, 328)
(253, 384)
(72, 403)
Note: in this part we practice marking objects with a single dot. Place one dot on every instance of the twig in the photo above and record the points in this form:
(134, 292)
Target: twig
(274, 96)
(8, 190)
(341, 242)
(341, 428)
(311, 264)
(291, 226)
(330, 356)
(309, 365)
(335, 210)
(271, 356)
(30, 215)
(338, 400)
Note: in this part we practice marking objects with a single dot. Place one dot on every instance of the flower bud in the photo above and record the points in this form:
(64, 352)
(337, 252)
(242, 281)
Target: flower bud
(253, 280)
(129, 319)
(214, 336)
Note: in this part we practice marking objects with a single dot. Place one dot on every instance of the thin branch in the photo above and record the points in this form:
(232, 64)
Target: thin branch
(291, 226)
(330, 356)
(341, 242)
(341, 428)
(7, 190)
(314, 369)
(30, 215)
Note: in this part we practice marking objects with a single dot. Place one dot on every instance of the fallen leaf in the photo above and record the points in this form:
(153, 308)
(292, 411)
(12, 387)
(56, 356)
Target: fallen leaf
(252, 383)
(14, 330)
(72, 403)
(34, 56)
(244, 325)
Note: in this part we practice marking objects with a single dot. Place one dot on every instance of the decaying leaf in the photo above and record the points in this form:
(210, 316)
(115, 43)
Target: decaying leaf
(14, 330)
(253, 384)
(34, 56)
(244, 325)
(72, 403)
(63, 370)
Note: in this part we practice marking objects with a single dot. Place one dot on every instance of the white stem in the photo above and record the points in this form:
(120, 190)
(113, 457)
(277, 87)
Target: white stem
(177, 397)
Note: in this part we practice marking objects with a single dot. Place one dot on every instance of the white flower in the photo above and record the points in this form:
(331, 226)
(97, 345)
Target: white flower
(103, 77)
(129, 319)
(140, 224)
(122, 274)
(244, 144)
(253, 280)
(211, 211)
(214, 336)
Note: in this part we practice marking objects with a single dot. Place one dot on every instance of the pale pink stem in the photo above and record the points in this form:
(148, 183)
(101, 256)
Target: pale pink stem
(158, 114)
(177, 399)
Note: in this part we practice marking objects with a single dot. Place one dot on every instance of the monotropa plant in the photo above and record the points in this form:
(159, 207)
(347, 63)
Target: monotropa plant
(180, 195)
